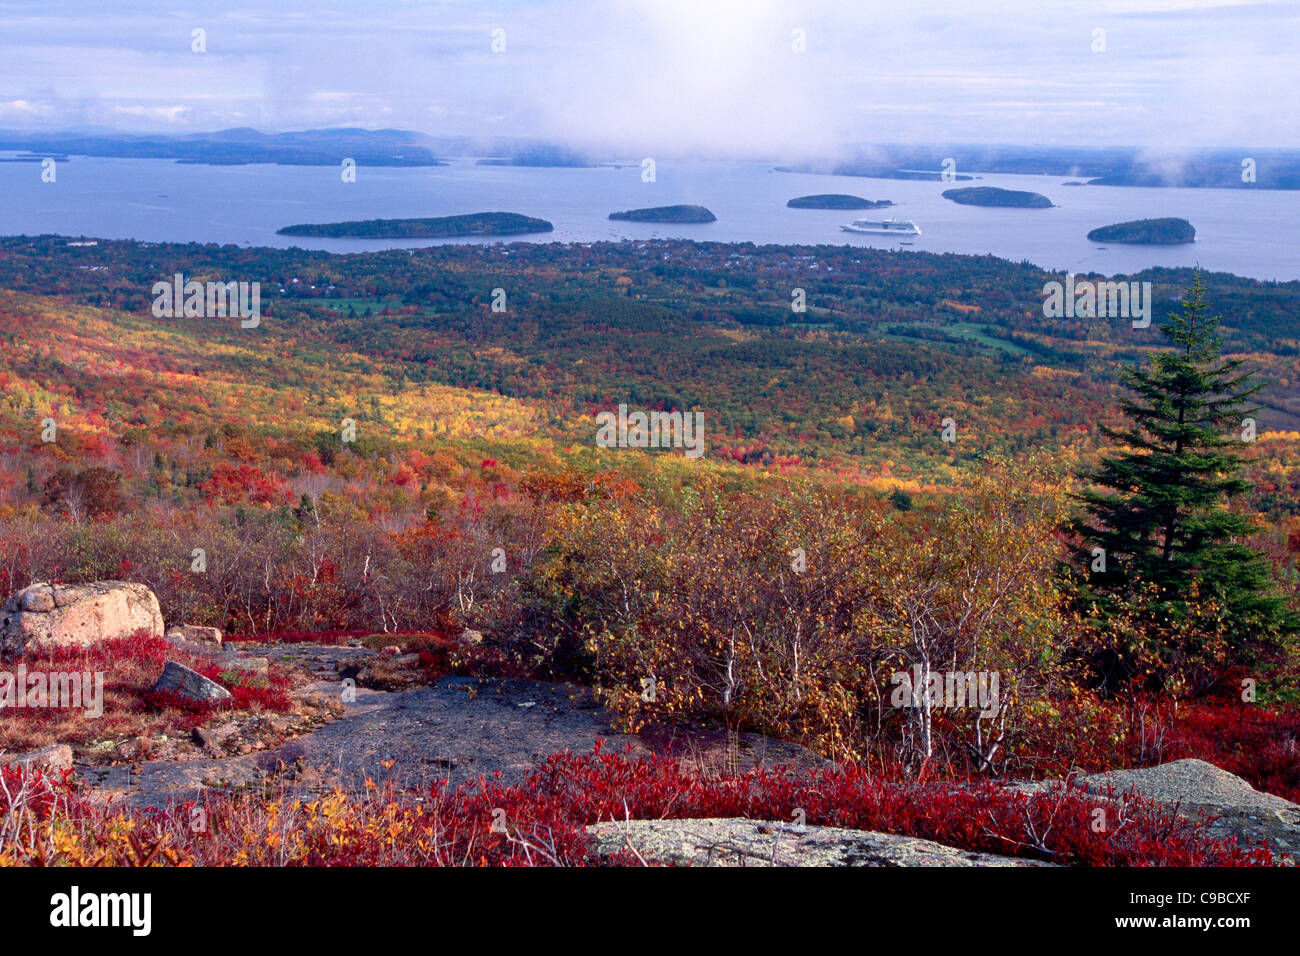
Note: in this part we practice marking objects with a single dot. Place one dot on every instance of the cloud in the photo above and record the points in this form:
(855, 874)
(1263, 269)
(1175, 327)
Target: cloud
(670, 77)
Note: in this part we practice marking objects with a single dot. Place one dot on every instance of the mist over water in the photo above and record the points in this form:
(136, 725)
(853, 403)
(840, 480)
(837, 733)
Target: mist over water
(1246, 232)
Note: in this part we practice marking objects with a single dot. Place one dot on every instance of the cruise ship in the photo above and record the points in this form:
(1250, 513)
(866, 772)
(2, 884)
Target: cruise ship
(901, 227)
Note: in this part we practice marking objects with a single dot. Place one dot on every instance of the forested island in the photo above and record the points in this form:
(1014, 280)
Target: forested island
(995, 196)
(666, 214)
(1169, 231)
(474, 224)
(837, 201)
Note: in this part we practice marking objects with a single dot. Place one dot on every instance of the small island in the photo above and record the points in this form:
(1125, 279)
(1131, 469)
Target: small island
(474, 224)
(837, 201)
(666, 214)
(1147, 232)
(542, 156)
(872, 171)
(994, 196)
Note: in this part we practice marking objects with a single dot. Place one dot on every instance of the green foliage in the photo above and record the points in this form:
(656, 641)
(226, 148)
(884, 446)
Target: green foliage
(1174, 580)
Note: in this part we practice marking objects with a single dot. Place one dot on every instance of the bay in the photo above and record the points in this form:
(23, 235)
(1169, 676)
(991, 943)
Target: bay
(1253, 233)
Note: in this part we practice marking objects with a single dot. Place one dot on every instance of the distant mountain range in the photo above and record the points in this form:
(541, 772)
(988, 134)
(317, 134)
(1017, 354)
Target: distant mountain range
(1217, 168)
(235, 147)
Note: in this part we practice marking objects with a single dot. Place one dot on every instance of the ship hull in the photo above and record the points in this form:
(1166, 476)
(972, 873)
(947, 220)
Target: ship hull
(881, 231)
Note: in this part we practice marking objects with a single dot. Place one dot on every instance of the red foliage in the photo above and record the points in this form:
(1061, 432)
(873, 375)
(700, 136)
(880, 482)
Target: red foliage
(574, 790)
(541, 821)
(330, 637)
(1254, 741)
(1246, 739)
(271, 695)
(129, 665)
(40, 794)
(231, 483)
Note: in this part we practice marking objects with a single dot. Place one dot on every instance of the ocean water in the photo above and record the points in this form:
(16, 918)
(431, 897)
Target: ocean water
(1247, 232)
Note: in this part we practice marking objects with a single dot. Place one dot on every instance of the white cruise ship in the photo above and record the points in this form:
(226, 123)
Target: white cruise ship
(900, 227)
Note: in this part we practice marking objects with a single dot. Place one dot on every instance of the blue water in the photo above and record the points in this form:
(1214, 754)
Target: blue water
(1250, 233)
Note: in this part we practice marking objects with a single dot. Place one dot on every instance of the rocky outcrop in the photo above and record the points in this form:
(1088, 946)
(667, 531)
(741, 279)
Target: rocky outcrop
(51, 760)
(190, 685)
(77, 615)
(193, 634)
(741, 842)
(1203, 793)
(212, 737)
(1202, 790)
(458, 730)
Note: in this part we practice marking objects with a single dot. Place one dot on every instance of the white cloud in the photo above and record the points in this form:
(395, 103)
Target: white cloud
(647, 77)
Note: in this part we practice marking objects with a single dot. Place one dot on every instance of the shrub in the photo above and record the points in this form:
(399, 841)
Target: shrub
(541, 821)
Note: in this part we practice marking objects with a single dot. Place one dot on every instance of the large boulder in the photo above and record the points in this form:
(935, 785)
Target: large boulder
(77, 615)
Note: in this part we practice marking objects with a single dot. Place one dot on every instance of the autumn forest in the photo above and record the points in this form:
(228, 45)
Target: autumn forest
(899, 451)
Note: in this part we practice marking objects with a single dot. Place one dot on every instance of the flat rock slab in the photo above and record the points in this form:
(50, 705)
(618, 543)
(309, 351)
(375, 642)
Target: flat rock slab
(462, 728)
(741, 842)
(458, 729)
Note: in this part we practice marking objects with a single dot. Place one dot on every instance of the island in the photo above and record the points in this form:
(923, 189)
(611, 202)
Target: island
(837, 201)
(871, 171)
(474, 224)
(1147, 232)
(666, 214)
(543, 156)
(995, 196)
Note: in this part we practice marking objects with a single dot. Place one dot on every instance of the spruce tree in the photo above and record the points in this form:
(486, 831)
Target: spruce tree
(1174, 586)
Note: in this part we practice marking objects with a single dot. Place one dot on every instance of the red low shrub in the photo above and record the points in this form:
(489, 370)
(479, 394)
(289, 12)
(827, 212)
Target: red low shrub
(1257, 742)
(541, 821)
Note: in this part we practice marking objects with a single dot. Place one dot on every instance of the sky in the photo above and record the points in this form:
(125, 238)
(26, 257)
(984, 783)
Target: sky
(798, 79)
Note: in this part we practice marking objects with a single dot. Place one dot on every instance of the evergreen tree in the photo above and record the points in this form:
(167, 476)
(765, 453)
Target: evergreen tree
(1163, 570)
